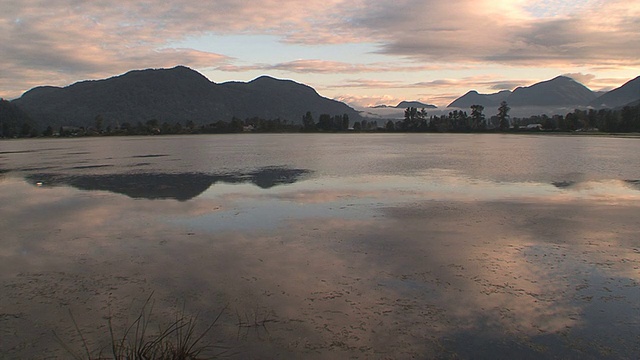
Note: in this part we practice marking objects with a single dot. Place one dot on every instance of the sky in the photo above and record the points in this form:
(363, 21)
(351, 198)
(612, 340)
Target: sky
(361, 52)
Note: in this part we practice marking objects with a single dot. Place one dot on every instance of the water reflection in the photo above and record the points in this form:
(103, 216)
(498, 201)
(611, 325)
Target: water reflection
(344, 274)
(369, 258)
(184, 186)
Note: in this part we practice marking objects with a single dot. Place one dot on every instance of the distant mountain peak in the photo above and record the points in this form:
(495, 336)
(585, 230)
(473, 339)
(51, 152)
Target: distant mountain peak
(265, 78)
(558, 80)
(266, 83)
(562, 78)
(559, 91)
(415, 104)
(472, 97)
(180, 70)
(176, 69)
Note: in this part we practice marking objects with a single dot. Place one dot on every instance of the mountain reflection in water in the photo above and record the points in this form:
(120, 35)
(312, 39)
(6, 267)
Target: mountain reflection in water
(182, 186)
(402, 246)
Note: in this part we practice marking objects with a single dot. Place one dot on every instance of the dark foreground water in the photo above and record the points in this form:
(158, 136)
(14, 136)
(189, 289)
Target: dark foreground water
(326, 246)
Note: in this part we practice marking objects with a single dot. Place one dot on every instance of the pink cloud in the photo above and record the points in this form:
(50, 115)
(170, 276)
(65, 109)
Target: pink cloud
(332, 67)
(67, 40)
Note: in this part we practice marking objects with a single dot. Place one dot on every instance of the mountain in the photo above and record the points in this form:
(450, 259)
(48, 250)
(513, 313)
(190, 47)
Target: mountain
(415, 104)
(174, 95)
(474, 98)
(13, 121)
(621, 96)
(404, 105)
(559, 91)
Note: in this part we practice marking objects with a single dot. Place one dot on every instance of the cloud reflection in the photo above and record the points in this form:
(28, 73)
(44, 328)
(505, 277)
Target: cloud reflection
(400, 274)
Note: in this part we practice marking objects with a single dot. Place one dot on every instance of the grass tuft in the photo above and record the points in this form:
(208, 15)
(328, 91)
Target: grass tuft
(175, 341)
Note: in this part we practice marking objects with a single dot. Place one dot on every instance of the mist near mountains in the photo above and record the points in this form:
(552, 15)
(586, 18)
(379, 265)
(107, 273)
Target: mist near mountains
(559, 95)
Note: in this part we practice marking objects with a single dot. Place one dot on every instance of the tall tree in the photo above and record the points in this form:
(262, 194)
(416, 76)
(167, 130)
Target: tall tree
(48, 131)
(390, 126)
(630, 118)
(477, 117)
(325, 122)
(414, 119)
(307, 122)
(337, 123)
(503, 116)
(99, 120)
(345, 122)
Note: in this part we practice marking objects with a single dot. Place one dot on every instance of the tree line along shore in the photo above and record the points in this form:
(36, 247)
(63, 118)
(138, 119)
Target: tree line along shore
(14, 123)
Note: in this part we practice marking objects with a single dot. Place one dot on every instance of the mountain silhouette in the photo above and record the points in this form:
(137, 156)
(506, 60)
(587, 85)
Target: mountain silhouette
(621, 96)
(559, 91)
(474, 98)
(174, 95)
(415, 104)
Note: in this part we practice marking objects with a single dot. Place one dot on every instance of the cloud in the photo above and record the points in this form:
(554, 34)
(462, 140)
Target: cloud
(504, 85)
(448, 89)
(484, 81)
(318, 66)
(366, 101)
(68, 40)
(606, 84)
(64, 41)
(368, 84)
(505, 32)
(584, 79)
(307, 66)
(58, 44)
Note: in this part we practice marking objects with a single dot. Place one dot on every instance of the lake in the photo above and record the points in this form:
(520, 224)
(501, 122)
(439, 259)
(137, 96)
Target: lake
(326, 246)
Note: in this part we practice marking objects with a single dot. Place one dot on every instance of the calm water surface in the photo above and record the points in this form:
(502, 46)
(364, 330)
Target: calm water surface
(327, 246)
